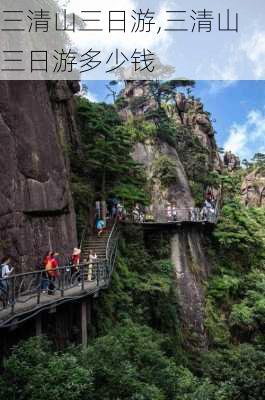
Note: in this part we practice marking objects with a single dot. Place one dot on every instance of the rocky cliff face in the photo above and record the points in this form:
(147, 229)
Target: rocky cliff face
(186, 111)
(187, 250)
(177, 191)
(190, 113)
(36, 207)
(191, 271)
(231, 161)
(253, 189)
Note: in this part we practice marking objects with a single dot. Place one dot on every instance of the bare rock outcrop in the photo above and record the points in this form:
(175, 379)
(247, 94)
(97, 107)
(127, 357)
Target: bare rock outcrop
(253, 189)
(36, 211)
(190, 113)
(231, 161)
(191, 270)
(156, 157)
(167, 173)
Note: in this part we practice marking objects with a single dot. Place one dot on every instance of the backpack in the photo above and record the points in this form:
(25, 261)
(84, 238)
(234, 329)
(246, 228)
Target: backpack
(48, 267)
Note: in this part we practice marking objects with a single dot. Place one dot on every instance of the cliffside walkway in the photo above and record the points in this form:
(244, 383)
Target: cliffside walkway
(27, 298)
(27, 295)
(176, 216)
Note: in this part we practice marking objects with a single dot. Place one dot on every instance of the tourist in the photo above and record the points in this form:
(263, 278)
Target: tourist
(5, 272)
(109, 206)
(100, 225)
(120, 211)
(97, 207)
(207, 209)
(141, 217)
(114, 207)
(193, 217)
(44, 275)
(75, 260)
(136, 213)
(52, 271)
(174, 214)
(92, 260)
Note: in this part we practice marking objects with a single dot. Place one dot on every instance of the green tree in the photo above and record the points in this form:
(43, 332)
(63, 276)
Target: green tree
(164, 91)
(103, 164)
(35, 372)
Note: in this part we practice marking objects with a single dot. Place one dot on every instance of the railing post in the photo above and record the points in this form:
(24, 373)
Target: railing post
(62, 281)
(82, 275)
(39, 287)
(107, 270)
(13, 295)
(98, 273)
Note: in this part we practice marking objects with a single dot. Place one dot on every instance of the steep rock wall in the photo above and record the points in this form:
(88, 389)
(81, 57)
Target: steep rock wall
(190, 112)
(187, 246)
(178, 192)
(253, 189)
(36, 207)
(191, 271)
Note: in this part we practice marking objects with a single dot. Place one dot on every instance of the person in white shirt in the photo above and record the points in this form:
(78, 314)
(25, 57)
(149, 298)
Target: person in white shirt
(92, 259)
(5, 272)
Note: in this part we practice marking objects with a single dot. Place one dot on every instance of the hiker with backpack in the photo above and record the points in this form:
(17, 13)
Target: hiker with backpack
(100, 226)
(5, 272)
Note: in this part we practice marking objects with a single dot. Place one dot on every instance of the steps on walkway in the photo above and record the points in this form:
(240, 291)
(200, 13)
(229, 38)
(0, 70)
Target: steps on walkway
(97, 245)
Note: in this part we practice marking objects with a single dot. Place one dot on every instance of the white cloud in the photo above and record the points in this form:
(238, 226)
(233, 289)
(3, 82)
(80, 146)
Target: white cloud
(215, 87)
(249, 137)
(237, 139)
(90, 96)
(254, 49)
(84, 92)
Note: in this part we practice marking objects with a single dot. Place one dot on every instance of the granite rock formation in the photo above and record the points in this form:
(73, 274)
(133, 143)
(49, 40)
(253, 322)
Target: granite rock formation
(187, 245)
(36, 207)
(253, 189)
(231, 161)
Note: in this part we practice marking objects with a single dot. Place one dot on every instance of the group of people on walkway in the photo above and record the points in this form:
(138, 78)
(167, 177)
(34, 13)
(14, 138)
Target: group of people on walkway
(50, 272)
(51, 269)
(208, 211)
(108, 210)
(174, 214)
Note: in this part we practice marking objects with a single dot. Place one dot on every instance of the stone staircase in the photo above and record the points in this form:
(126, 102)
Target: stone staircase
(97, 245)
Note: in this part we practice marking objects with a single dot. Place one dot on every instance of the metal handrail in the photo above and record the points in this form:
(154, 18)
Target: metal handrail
(111, 237)
(24, 287)
(179, 215)
(84, 235)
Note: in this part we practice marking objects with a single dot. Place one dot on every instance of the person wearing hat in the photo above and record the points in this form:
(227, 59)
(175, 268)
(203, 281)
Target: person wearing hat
(75, 259)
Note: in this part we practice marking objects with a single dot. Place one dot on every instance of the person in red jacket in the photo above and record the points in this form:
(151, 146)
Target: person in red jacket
(52, 270)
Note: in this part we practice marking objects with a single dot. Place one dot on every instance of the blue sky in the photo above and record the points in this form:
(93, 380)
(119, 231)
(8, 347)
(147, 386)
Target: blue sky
(237, 106)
